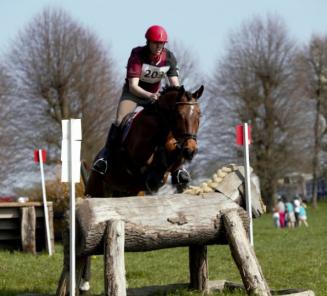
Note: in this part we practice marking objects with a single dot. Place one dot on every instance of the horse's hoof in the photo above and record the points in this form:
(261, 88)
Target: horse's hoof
(84, 286)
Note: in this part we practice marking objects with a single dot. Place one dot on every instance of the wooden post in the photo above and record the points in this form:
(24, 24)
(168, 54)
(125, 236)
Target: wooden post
(114, 260)
(198, 264)
(28, 226)
(244, 256)
(50, 216)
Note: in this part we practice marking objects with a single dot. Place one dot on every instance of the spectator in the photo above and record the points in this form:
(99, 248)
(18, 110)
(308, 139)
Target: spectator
(303, 214)
(290, 215)
(276, 217)
(296, 203)
(281, 209)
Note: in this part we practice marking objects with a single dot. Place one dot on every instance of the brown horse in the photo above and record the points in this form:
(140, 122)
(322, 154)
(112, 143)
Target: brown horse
(161, 138)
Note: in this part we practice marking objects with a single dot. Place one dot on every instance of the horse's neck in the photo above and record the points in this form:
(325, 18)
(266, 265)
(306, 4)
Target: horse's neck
(155, 122)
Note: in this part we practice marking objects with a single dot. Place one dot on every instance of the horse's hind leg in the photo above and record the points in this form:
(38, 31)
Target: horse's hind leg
(85, 274)
(94, 186)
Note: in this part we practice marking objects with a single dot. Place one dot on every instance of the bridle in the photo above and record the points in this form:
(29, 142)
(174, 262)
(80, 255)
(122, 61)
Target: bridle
(182, 138)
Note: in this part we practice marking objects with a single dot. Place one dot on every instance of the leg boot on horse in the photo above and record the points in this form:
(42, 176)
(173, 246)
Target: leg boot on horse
(106, 154)
(180, 179)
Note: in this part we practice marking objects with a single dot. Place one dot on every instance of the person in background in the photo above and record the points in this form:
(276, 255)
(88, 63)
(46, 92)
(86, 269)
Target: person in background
(281, 209)
(296, 203)
(303, 214)
(290, 214)
(276, 217)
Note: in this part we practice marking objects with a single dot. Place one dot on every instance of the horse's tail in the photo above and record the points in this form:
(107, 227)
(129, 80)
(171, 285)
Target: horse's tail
(84, 172)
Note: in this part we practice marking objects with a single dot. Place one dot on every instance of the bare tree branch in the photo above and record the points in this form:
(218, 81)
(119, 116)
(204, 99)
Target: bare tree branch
(312, 75)
(61, 70)
(256, 81)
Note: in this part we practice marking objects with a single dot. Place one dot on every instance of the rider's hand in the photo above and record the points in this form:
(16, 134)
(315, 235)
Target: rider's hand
(154, 97)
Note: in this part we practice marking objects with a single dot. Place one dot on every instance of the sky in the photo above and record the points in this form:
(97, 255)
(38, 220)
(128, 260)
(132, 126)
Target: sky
(203, 26)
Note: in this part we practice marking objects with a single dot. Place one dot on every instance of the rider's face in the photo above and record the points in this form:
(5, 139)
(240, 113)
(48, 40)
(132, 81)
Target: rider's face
(156, 47)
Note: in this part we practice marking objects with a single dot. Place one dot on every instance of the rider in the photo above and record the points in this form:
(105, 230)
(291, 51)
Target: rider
(146, 67)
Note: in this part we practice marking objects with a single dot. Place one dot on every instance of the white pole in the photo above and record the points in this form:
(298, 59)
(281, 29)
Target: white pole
(72, 211)
(247, 179)
(45, 204)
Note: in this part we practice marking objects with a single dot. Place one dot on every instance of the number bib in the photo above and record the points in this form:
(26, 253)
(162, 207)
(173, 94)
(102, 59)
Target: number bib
(153, 74)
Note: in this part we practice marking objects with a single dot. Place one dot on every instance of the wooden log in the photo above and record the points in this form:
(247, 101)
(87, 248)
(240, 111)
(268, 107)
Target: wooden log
(114, 260)
(28, 226)
(155, 222)
(244, 256)
(198, 264)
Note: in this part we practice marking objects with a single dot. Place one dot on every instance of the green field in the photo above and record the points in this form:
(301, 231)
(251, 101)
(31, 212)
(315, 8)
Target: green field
(290, 258)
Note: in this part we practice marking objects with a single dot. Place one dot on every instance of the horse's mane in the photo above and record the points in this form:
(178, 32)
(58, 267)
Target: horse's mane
(169, 88)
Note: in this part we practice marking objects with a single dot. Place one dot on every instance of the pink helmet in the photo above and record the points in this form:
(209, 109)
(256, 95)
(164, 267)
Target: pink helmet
(156, 34)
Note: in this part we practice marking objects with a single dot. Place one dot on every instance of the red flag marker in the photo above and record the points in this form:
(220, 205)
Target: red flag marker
(239, 134)
(37, 158)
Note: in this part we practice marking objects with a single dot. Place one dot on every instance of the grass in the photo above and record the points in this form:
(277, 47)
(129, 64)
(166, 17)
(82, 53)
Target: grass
(290, 258)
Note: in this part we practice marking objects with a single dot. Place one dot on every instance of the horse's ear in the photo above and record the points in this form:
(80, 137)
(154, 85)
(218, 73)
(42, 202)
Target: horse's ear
(197, 94)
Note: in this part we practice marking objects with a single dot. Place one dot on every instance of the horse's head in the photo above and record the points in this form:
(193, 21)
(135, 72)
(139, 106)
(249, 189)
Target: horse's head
(185, 118)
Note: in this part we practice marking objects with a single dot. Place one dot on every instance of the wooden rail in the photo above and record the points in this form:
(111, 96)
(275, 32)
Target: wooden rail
(22, 226)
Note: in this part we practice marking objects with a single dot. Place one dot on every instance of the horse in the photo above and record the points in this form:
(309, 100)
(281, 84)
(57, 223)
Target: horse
(160, 139)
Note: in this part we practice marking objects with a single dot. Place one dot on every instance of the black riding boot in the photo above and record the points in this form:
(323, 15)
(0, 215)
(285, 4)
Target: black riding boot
(106, 154)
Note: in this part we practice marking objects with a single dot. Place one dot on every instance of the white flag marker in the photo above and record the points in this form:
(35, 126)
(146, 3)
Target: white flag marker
(70, 172)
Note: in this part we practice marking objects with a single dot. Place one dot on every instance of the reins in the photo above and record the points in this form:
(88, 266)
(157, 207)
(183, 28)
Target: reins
(186, 103)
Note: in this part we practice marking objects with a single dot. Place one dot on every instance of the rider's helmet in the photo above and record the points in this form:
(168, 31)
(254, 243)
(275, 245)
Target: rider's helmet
(156, 34)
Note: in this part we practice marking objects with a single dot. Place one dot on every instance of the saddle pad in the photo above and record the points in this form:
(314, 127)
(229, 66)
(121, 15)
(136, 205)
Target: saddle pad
(128, 120)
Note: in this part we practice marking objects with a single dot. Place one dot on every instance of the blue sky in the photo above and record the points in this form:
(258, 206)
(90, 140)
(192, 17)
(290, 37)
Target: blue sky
(203, 26)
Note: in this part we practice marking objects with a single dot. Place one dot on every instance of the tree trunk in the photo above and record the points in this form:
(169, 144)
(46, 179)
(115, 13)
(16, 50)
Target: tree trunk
(155, 222)
(315, 159)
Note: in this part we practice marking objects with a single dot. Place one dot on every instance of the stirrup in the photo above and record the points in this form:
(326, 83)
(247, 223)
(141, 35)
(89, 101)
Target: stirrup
(100, 166)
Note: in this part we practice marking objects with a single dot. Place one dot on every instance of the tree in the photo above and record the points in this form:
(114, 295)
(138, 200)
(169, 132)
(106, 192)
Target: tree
(62, 71)
(255, 80)
(313, 77)
(188, 72)
(7, 127)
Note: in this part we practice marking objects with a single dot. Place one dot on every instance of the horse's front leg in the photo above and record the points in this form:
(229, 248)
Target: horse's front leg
(155, 175)
(180, 178)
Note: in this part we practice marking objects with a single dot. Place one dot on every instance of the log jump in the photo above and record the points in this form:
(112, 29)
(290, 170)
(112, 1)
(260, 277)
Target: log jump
(111, 226)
